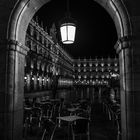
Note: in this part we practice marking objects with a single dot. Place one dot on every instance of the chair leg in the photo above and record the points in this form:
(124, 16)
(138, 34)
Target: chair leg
(88, 137)
(73, 137)
(52, 135)
(42, 138)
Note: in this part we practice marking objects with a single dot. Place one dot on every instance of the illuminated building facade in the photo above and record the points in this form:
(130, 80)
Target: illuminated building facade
(48, 65)
(96, 71)
(15, 17)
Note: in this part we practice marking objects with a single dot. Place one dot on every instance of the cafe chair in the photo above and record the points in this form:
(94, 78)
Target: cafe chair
(36, 115)
(47, 110)
(84, 113)
(80, 128)
(26, 122)
(27, 117)
(48, 128)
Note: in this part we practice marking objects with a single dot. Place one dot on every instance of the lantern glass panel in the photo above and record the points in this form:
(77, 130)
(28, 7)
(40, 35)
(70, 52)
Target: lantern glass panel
(68, 33)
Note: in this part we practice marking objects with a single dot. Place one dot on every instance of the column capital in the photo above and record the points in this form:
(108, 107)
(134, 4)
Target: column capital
(123, 43)
(13, 45)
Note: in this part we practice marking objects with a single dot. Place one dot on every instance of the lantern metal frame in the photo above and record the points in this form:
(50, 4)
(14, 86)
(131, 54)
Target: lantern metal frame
(67, 28)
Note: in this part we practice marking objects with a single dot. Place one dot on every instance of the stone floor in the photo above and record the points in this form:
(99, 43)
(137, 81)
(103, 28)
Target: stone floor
(100, 128)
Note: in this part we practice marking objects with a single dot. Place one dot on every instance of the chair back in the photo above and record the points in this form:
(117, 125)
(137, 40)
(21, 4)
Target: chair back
(36, 112)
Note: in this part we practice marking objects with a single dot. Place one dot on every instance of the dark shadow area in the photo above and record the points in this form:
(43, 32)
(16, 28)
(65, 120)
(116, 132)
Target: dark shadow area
(95, 34)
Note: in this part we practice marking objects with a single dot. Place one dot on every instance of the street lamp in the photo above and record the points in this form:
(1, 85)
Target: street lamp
(67, 28)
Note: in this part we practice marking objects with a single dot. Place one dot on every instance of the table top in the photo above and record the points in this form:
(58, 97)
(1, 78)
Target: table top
(73, 109)
(70, 118)
(45, 102)
(76, 104)
(28, 108)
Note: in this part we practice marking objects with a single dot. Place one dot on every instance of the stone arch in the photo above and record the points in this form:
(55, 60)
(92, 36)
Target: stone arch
(19, 20)
(21, 15)
(120, 16)
(24, 11)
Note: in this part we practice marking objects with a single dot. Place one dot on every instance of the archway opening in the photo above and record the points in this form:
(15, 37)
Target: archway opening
(98, 35)
(27, 9)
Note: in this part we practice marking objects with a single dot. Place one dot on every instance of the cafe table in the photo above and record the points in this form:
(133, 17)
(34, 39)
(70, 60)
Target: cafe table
(44, 102)
(70, 119)
(28, 108)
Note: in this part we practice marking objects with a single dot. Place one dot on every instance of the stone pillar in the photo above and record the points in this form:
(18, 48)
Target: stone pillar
(99, 95)
(135, 93)
(87, 92)
(12, 57)
(129, 60)
(92, 96)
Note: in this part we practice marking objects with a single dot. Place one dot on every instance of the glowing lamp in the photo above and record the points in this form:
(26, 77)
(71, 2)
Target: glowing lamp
(67, 31)
(67, 28)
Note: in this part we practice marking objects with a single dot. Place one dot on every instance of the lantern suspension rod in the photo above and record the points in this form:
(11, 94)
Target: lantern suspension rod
(68, 10)
(68, 27)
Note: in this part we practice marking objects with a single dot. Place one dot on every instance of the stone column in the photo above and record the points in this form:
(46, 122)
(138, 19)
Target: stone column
(129, 60)
(12, 57)
(99, 95)
(134, 99)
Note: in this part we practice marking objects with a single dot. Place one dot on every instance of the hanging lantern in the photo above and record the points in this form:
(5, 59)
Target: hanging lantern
(67, 28)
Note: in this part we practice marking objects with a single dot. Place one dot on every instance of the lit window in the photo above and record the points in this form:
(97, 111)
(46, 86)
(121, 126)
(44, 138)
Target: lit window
(79, 65)
(84, 65)
(116, 69)
(97, 76)
(96, 64)
(79, 76)
(102, 64)
(103, 76)
(107, 76)
(109, 64)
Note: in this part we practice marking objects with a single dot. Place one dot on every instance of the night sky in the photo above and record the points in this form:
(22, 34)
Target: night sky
(96, 33)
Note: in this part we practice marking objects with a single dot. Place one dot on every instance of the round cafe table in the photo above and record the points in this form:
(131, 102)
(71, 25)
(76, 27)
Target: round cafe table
(70, 119)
